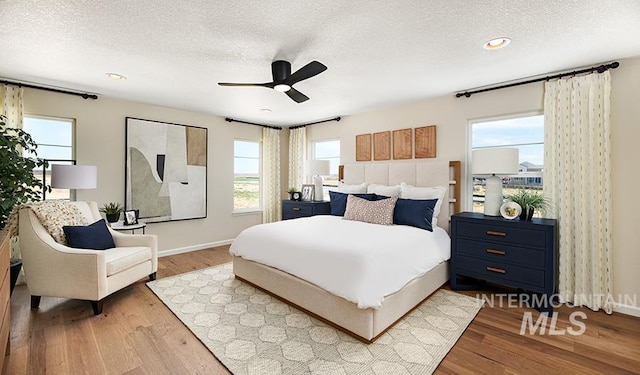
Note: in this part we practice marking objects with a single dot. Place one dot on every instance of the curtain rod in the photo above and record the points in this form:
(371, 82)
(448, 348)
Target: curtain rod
(337, 119)
(229, 119)
(600, 69)
(20, 84)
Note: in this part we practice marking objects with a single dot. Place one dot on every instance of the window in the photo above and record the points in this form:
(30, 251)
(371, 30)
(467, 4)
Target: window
(525, 133)
(328, 150)
(246, 181)
(54, 137)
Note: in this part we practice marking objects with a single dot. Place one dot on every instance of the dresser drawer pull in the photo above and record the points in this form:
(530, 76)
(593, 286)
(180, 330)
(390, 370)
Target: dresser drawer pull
(295, 209)
(497, 252)
(496, 270)
(493, 233)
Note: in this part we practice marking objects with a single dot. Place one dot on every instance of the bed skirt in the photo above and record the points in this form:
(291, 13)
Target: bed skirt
(364, 324)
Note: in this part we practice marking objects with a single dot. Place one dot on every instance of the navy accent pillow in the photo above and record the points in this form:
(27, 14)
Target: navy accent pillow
(414, 212)
(95, 236)
(338, 201)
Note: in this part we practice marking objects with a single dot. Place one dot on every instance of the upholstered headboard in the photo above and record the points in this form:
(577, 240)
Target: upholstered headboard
(417, 173)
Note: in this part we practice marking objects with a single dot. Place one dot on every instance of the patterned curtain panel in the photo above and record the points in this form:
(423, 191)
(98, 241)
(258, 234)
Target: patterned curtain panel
(12, 106)
(271, 192)
(297, 150)
(578, 182)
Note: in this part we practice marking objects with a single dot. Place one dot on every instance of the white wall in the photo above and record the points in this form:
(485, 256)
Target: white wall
(452, 115)
(100, 140)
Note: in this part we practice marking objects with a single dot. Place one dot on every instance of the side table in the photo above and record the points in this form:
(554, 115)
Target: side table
(119, 226)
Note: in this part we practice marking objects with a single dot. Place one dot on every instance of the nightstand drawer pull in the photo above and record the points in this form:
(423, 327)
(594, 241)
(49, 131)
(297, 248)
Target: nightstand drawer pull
(496, 270)
(494, 233)
(497, 252)
(295, 209)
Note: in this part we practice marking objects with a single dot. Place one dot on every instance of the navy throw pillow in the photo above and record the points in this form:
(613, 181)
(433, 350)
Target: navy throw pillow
(338, 201)
(95, 236)
(414, 212)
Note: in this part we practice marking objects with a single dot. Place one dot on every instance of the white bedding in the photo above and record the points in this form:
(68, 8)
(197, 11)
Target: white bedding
(358, 261)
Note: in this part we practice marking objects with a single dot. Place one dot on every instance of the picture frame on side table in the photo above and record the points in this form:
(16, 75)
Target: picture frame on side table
(307, 192)
(131, 217)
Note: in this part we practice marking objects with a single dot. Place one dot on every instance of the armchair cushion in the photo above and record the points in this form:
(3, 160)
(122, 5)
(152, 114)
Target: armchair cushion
(53, 215)
(94, 236)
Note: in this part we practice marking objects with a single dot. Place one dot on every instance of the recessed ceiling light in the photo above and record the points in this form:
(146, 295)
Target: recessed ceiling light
(265, 110)
(115, 76)
(497, 43)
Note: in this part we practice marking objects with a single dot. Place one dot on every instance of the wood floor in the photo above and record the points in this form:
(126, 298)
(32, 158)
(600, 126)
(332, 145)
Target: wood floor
(137, 334)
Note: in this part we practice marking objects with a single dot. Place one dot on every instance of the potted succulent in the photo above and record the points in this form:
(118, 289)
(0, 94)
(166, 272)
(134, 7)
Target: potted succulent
(530, 201)
(112, 211)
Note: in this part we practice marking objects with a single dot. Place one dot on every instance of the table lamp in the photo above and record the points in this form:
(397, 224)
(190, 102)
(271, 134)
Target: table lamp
(317, 169)
(74, 176)
(493, 162)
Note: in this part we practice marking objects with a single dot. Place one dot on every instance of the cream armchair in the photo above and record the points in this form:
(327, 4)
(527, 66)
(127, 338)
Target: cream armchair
(52, 269)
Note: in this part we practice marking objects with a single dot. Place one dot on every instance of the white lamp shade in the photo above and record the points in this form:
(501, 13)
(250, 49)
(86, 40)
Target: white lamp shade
(318, 167)
(499, 161)
(74, 176)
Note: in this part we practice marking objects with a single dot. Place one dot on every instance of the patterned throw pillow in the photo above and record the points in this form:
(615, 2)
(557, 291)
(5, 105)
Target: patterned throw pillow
(53, 215)
(374, 212)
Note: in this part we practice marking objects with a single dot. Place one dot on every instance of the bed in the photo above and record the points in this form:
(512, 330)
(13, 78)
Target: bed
(307, 262)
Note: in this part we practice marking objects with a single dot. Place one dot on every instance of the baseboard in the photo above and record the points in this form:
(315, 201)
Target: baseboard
(626, 309)
(187, 249)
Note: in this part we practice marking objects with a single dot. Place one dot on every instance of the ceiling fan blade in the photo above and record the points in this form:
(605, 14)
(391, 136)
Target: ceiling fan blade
(267, 84)
(297, 96)
(311, 69)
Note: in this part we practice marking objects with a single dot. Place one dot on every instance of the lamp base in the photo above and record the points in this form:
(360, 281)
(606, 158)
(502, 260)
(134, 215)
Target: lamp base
(493, 196)
(317, 194)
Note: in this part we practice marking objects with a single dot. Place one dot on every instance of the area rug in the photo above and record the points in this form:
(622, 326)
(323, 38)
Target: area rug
(251, 332)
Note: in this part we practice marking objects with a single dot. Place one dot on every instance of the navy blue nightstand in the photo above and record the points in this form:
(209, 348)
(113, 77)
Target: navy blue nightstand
(295, 209)
(511, 253)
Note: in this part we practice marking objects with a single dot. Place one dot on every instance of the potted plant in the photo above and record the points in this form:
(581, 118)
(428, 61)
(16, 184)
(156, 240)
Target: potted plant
(18, 184)
(112, 211)
(530, 201)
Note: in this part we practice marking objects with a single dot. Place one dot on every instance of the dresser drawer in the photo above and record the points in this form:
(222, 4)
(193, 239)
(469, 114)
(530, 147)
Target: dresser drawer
(298, 210)
(502, 273)
(492, 251)
(499, 233)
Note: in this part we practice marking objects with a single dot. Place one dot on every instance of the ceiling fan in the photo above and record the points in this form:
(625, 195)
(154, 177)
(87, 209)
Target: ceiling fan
(283, 80)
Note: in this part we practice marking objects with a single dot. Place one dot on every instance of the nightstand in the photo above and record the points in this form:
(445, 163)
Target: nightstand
(295, 209)
(511, 253)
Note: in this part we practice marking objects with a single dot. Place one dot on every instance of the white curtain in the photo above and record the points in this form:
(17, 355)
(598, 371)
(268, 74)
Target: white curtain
(578, 182)
(297, 151)
(271, 192)
(11, 105)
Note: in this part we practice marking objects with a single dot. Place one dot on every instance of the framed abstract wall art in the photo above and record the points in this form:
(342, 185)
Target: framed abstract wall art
(166, 170)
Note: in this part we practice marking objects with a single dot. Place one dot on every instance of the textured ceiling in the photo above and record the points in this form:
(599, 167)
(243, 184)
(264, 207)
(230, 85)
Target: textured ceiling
(378, 53)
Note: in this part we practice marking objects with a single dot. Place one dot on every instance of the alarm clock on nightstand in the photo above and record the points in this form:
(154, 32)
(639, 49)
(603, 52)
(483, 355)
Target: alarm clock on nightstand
(296, 196)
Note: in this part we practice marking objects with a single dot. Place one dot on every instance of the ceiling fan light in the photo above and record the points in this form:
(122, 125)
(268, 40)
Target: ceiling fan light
(282, 87)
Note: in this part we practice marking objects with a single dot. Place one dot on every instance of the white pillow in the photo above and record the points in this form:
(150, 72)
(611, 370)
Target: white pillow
(436, 192)
(389, 191)
(352, 189)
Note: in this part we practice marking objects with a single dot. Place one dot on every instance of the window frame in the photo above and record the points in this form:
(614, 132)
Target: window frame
(72, 121)
(251, 210)
(469, 177)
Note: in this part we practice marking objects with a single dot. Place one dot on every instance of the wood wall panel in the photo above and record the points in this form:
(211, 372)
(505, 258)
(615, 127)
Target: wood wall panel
(402, 144)
(363, 147)
(425, 140)
(382, 145)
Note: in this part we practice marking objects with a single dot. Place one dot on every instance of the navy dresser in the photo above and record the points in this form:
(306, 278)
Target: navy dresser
(512, 253)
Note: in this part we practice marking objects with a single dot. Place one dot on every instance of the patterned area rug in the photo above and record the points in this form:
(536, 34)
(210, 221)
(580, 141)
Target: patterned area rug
(251, 332)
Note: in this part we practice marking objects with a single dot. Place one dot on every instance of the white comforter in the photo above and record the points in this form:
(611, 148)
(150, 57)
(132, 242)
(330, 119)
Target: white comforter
(358, 261)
